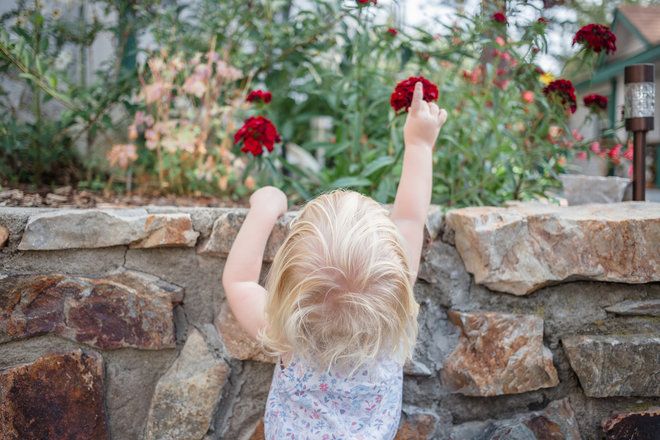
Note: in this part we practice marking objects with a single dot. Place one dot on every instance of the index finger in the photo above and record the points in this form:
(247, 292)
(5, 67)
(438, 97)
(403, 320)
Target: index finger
(418, 95)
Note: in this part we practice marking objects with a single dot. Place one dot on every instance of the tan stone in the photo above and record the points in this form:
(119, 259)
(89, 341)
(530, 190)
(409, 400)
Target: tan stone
(524, 247)
(238, 343)
(169, 230)
(4, 236)
(498, 353)
(186, 395)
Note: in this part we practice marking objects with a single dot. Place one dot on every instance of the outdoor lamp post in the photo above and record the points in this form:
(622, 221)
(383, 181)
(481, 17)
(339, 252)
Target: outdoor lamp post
(639, 111)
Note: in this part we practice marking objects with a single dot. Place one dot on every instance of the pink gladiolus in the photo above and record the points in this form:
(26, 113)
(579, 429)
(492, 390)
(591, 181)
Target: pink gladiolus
(577, 135)
(595, 147)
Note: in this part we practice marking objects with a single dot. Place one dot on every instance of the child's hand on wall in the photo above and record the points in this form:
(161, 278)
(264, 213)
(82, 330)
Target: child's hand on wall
(269, 198)
(423, 122)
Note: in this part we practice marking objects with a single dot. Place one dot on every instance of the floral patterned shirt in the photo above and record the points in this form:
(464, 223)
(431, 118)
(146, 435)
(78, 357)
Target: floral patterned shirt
(304, 403)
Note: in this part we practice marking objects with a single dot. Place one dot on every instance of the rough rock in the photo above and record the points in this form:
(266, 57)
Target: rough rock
(580, 189)
(227, 225)
(650, 307)
(58, 396)
(94, 228)
(417, 425)
(642, 425)
(556, 421)
(238, 344)
(615, 365)
(4, 236)
(185, 396)
(522, 248)
(498, 353)
(122, 309)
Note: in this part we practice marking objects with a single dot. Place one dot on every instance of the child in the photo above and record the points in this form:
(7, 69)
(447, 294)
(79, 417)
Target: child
(338, 306)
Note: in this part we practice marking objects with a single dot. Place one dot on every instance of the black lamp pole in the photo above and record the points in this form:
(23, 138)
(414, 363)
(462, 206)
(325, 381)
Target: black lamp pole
(639, 111)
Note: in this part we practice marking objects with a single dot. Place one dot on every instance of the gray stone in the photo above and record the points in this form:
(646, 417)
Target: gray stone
(580, 189)
(615, 365)
(525, 247)
(557, 422)
(650, 307)
(186, 395)
(94, 228)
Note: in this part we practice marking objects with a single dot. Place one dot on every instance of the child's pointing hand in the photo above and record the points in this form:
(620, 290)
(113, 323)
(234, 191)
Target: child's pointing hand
(424, 120)
(269, 198)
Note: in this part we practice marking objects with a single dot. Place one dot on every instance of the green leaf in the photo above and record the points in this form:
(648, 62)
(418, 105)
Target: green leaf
(349, 182)
(377, 164)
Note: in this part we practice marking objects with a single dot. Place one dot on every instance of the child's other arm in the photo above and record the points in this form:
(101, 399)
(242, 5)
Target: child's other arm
(240, 278)
(413, 196)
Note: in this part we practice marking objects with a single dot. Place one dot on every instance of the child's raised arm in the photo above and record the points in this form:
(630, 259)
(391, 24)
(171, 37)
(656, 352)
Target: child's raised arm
(240, 278)
(413, 196)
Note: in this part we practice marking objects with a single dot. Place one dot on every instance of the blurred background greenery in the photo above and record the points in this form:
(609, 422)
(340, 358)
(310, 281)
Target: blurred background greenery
(158, 114)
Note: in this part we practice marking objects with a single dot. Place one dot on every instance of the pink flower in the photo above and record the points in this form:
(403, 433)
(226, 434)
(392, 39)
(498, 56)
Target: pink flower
(154, 92)
(595, 147)
(577, 135)
(122, 155)
(499, 40)
(629, 153)
(323, 387)
(194, 85)
(615, 153)
(582, 155)
(528, 96)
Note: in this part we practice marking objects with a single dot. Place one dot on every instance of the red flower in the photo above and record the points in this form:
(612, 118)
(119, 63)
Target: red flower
(596, 37)
(365, 2)
(596, 102)
(542, 20)
(629, 153)
(527, 96)
(392, 32)
(564, 90)
(615, 153)
(401, 97)
(499, 17)
(256, 133)
(259, 95)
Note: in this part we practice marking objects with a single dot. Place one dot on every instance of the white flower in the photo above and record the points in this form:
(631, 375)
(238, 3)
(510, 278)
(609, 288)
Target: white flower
(63, 59)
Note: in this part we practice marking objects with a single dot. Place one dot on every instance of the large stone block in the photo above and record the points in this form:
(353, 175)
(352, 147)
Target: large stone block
(238, 344)
(185, 397)
(581, 189)
(637, 425)
(498, 353)
(59, 396)
(556, 421)
(94, 228)
(122, 309)
(615, 365)
(524, 247)
(227, 225)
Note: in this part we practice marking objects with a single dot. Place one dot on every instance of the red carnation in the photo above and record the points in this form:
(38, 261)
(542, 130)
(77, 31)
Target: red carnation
(596, 37)
(542, 20)
(596, 102)
(499, 17)
(401, 98)
(259, 95)
(364, 2)
(392, 32)
(257, 132)
(564, 90)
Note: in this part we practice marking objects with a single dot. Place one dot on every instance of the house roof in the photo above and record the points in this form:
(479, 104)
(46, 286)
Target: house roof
(646, 19)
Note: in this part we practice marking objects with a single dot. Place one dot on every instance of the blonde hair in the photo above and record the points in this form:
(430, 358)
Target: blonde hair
(339, 287)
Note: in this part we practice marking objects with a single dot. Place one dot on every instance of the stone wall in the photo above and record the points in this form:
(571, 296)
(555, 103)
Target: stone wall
(536, 322)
